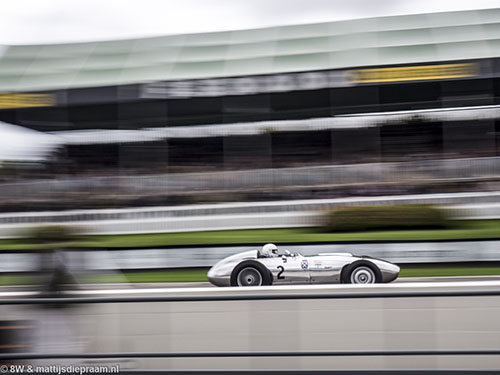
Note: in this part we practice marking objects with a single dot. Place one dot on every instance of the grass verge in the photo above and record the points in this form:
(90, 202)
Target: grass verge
(173, 276)
(482, 229)
(449, 271)
(464, 230)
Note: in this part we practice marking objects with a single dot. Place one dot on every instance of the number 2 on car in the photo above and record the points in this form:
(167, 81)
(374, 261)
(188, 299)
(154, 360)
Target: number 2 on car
(282, 269)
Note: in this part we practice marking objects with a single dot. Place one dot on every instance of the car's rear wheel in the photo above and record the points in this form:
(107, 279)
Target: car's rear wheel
(250, 273)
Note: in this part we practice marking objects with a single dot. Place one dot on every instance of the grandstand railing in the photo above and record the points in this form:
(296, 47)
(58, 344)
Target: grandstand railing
(275, 179)
(473, 198)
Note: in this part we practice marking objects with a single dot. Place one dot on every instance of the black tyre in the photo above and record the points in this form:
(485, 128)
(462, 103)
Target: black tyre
(250, 274)
(361, 272)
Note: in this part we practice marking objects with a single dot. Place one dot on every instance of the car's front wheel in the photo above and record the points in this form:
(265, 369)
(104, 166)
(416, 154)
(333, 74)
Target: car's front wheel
(250, 274)
(361, 273)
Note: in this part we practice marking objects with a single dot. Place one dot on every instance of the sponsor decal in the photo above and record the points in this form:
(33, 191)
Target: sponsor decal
(246, 85)
(315, 80)
(415, 73)
(304, 264)
(22, 100)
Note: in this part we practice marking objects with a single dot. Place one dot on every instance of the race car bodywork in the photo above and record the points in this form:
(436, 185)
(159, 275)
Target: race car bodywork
(251, 269)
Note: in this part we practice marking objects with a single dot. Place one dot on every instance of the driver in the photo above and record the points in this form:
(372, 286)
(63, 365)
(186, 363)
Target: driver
(269, 250)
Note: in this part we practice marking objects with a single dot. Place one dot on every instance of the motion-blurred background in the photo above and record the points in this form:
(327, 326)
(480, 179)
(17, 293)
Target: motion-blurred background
(374, 106)
(144, 141)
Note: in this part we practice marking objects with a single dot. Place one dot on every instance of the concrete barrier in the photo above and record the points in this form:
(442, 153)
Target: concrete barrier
(364, 324)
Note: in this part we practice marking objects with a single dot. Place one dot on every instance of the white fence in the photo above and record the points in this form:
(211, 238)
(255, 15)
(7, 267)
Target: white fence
(243, 215)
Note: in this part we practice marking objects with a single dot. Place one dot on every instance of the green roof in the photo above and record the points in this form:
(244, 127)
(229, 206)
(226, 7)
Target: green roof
(333, 45)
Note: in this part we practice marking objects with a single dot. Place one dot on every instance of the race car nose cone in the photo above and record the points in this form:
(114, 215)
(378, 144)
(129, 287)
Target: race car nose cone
(216, 279)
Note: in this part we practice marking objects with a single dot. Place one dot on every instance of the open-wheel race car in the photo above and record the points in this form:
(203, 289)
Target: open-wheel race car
(269, 267)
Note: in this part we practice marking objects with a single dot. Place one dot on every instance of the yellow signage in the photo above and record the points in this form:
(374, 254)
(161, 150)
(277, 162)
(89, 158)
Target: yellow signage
(24, 100)
(415, 73)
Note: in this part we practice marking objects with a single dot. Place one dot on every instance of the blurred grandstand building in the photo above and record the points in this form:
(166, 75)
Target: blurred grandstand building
(399, 89)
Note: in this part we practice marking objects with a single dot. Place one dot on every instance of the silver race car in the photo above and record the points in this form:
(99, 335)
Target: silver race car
(267, 267)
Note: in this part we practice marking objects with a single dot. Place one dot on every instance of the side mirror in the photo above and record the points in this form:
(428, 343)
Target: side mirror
(283, 258)
(287, 252)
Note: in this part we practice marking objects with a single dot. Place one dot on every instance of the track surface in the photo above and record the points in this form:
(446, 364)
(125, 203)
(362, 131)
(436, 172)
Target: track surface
(157, 288)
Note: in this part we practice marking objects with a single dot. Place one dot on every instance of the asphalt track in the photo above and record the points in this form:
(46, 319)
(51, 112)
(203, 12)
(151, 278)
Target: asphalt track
(31, 290)
(188, 288)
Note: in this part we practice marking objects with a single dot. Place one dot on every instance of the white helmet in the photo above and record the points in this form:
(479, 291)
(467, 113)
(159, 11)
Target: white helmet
(269, 250)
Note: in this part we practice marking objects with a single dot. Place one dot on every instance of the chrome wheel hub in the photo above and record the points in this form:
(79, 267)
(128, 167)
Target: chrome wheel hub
(363, 275)
(249, 277)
